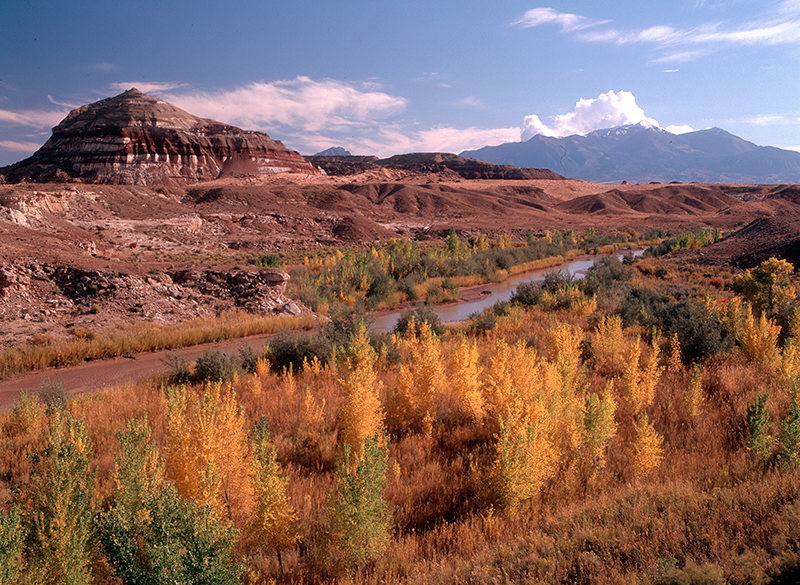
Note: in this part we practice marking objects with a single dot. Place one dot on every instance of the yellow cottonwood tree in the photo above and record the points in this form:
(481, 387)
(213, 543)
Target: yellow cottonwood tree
(273, 523)
(647, 449)
(361, 415)
(608, 344)
(524, 458)
(207, 453)
(422, 376)
(693, 395)
(465, 379)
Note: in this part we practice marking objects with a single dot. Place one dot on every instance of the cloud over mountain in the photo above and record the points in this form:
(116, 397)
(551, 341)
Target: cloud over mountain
(607, 110)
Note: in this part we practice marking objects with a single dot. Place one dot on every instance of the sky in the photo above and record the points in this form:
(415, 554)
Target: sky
(385, 78)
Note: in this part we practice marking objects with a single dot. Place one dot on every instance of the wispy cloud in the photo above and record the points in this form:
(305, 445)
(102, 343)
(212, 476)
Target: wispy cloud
(147, 86)
(302, 103)
(776, 26)
(19, 146)
(32, 118)
(567, 22)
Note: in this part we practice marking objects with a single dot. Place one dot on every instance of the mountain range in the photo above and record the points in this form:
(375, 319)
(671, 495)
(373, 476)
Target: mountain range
(640, 153)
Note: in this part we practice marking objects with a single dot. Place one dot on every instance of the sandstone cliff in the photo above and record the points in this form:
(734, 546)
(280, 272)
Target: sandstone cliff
(134, 138)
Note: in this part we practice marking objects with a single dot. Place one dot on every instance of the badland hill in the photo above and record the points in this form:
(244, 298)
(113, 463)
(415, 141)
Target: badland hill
(136, 139)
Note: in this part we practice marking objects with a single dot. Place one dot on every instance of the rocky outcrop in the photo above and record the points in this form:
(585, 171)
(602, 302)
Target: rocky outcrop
(136, 139)
(39, 291)
(429, 162)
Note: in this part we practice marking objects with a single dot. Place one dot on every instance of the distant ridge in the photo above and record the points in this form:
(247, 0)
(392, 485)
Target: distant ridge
(134, 138)
(638, 153)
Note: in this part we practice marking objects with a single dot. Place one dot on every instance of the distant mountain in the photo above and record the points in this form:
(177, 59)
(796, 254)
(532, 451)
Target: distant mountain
(638, 153)
(334, 151)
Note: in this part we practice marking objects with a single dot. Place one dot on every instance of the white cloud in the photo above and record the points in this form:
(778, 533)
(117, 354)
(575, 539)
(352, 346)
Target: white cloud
(396, 139)
(683, 129)
(606, 111)
(780, 25)
(19, 146)
(146, 86)
(567, 22)
(32, 118)
(302, 103)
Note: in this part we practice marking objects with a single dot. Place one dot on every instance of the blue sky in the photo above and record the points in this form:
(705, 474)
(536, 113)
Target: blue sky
(384, 78)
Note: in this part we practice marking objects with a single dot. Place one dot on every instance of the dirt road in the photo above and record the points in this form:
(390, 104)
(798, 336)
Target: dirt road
(93, 376)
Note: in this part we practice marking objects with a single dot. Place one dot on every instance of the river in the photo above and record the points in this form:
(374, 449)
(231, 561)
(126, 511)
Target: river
(495, 292)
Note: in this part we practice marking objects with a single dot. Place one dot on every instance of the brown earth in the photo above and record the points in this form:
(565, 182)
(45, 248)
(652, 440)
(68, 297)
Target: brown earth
(85, 256)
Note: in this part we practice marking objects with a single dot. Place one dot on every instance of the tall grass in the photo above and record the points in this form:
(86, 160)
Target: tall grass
(142, 337)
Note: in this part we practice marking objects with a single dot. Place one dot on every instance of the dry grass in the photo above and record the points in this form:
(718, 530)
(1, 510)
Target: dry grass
(709, 512)
(141, 337)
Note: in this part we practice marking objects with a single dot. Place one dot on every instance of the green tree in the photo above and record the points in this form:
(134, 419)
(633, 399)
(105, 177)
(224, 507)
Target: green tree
(359, 513)
(790, 436)
(151, 535)
(12, 537)
(759, 441)
(768, 286)
(60, 503)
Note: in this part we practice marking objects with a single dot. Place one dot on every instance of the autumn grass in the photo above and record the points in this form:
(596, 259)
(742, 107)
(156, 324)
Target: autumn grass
(141, 337)
(697, 507)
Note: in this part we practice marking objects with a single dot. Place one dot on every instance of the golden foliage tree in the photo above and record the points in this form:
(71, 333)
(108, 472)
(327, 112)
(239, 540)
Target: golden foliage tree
(647, 449)
(60, 501)
(207, 450)
(599, 425)
(465, 379)
(639, 382)
(422, 376)
(693, 395)
(361, 415)
(608, 344)
(273, 523)
(758, 338)
(524, 458)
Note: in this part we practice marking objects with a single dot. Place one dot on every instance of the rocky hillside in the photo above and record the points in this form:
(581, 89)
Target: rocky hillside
(136, 139)
(429, 162)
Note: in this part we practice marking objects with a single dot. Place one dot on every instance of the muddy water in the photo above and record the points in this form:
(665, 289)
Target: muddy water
(500, 291)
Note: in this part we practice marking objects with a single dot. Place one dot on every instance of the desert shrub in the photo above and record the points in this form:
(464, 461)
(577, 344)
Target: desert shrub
(699, 333)
(425, 314)
(52, 391)
(290, 349)
(248, 358)
(215, 366)
(527, 294)
(179, 371)
(604, 273)
(267, 261)
(483, 322)
(790, 436)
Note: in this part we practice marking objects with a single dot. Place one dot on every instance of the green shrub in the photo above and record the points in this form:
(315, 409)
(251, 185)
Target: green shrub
(425, 313)
(215, 366)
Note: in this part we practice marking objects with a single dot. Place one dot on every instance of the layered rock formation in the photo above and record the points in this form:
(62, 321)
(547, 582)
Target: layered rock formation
(429, 162)
(134, 138)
